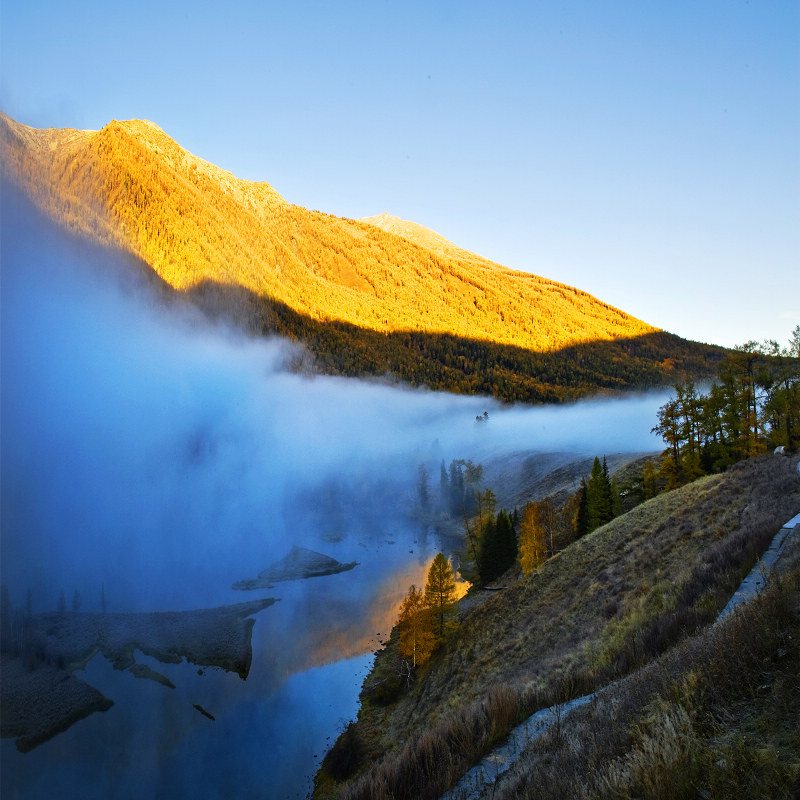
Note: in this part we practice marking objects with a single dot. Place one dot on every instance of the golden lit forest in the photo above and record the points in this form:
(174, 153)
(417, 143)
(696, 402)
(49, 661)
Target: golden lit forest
(376, 296)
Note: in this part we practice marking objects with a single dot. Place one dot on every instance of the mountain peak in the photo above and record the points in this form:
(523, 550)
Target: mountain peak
(132, 185)
(416, 233)
(189, 165)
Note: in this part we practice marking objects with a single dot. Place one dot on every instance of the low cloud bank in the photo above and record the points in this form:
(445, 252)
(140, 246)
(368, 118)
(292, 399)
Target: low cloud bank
(152, 453)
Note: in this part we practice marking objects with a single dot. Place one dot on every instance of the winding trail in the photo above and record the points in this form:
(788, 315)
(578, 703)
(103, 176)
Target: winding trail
(483, 776)
(757, 577)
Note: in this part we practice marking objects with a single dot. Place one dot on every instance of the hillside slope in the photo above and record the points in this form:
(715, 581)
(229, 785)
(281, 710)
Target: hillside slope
(198, 227)
(606, 605)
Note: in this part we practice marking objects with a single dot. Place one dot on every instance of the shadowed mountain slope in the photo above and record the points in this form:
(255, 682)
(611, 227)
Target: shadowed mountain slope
(340, 285)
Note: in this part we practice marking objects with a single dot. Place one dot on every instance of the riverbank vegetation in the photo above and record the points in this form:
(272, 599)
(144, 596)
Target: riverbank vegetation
(604, 606)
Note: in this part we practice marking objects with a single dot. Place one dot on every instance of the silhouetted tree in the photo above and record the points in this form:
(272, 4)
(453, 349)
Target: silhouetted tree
(422, 487)
(582, 514)
(498, 550)
(473, 475)
(598, 493)
(444, 487)
(456, 484)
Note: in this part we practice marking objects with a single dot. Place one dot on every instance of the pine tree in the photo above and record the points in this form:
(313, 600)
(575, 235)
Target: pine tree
(498, 550)
(507, 539)
(473, 474)
(444, 487)
(598, 493)
(440, 594)
(456, 483)
(422, 487)
(488, 557)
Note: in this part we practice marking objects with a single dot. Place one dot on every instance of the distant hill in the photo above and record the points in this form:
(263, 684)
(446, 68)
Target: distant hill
(376, 296)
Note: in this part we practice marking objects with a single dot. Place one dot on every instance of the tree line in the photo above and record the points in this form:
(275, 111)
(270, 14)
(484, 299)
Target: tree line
(752, 406)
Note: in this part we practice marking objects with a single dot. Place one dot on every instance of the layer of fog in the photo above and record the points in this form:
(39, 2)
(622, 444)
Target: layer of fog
(152, 458)
(161, 457)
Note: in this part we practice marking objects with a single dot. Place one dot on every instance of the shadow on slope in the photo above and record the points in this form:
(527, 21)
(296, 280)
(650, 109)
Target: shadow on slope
(450, 363)
(443, 362)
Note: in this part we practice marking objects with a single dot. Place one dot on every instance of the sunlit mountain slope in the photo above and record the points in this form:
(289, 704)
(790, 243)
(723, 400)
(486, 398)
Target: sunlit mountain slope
(421, 235)
(379, 296)
(131, 185)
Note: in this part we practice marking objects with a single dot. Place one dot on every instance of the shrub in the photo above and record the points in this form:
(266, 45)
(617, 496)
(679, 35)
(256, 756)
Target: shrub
(346, 755)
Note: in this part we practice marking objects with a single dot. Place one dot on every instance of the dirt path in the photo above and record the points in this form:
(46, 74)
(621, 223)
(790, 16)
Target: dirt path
(482, 777)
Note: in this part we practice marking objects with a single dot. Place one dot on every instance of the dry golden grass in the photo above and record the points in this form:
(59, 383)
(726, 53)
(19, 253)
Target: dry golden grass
(132, 186)
(714, 717)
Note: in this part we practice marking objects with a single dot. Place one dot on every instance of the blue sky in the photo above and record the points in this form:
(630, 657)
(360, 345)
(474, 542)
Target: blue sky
(648, 153)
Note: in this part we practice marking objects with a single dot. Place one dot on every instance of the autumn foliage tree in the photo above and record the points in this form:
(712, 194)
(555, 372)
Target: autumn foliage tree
(440, 595)
(532, 539)
(416, 628)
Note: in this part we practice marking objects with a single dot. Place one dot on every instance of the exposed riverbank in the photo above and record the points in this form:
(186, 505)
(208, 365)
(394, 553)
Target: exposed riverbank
(41, 697)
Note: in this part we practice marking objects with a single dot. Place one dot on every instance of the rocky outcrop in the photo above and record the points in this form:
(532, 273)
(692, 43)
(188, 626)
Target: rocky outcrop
(298, 565)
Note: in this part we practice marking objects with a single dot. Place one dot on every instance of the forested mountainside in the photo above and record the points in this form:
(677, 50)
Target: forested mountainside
(363, 299)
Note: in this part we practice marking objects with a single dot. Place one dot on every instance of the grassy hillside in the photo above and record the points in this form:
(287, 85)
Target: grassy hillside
(606, 605)
(130, 186)
(716, 716)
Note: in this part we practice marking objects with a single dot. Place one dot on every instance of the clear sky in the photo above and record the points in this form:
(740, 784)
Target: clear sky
(646, 152)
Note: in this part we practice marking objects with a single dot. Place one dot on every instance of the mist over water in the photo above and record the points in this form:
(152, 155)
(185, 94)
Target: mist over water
(153, 457)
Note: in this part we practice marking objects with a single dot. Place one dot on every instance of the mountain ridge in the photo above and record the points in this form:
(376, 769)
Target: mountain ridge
(131, 186)
(123, 187)
(419, 234)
